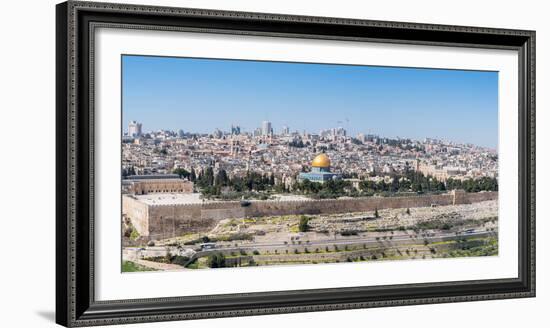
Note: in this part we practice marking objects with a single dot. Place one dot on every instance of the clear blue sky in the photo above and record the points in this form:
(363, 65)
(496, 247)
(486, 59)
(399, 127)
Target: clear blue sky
(200, 95)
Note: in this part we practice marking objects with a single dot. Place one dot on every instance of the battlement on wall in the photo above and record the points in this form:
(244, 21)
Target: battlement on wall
(454, 197)
(231, 209)
(209, 204)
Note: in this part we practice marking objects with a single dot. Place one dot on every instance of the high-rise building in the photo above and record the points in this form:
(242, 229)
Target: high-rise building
(134, 129)
(340, 131)
(235, 130)
(372, 137)
(267, 130)
(286, 130)
(217, 134)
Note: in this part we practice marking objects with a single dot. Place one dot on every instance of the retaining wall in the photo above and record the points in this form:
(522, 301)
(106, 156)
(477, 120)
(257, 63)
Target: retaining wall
(167, 221)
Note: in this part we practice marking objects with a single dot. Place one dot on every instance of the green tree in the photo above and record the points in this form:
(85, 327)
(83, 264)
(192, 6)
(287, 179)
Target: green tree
(131, 170)
(382, 186)
(183, 173)
(394, 187)
(417, 187)
(303, 225)
(221, 178)
(368, 186)
(209, 176)
(168, 257)
(216, 260)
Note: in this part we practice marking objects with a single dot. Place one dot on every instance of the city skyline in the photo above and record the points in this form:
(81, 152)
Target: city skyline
(285, 130)
(201, 95)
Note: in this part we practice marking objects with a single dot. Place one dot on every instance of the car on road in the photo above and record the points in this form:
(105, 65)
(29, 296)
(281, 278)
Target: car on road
(206, 246)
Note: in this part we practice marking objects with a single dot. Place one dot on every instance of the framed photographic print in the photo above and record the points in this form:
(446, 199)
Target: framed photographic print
(214, 163)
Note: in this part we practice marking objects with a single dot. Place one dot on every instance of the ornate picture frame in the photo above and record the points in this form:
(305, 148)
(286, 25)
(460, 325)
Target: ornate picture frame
(77, 22)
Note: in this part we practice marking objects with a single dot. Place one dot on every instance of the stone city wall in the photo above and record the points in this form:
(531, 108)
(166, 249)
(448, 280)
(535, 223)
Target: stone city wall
(138, 213)
(333, 206)
(167, 221)
(477, 197)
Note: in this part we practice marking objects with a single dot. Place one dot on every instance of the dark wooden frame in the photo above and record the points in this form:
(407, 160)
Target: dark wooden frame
(75, 303)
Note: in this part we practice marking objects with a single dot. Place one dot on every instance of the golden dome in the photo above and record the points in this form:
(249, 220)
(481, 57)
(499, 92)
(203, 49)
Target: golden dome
(321, 160)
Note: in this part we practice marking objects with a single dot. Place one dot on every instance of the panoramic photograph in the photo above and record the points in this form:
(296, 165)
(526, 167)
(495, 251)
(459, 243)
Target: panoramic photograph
(242, 163)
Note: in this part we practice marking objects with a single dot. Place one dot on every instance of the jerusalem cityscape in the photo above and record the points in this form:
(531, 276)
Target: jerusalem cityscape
(239, 199)
(256, 193)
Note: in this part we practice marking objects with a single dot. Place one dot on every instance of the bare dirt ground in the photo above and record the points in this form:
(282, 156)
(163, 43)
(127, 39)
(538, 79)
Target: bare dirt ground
(390, 234)
(482, 215)
(157, 265)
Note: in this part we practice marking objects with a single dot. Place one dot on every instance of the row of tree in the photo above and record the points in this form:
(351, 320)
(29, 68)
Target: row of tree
(212, 184)
(128, 171)
(418, 182)
(471, 185)
(410, 181)
(328, 189)
(299, 143)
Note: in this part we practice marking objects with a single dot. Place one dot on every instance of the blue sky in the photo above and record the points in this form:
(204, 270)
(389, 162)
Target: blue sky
(200, 95)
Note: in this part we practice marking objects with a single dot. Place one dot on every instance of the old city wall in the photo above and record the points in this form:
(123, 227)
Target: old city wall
(222, 210)
(138, 213)
(478, 197)
(166, 221)
(333, 206)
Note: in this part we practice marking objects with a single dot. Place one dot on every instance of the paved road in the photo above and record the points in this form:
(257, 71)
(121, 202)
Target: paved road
(403, 239)
(369, 241)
